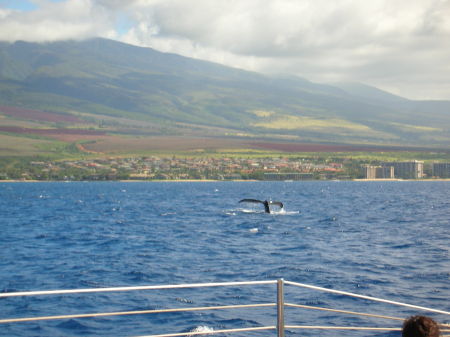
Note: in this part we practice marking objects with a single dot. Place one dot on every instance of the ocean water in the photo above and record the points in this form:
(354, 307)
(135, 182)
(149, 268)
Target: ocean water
(381, 239)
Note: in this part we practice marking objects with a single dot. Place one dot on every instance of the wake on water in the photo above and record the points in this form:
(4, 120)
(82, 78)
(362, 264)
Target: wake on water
(203, 328)
(282, 211)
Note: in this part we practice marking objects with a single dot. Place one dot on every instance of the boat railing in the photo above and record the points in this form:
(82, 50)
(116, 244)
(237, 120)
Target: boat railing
(279, 326)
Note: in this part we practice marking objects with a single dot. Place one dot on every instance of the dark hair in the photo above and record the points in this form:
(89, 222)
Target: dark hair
(420, 326)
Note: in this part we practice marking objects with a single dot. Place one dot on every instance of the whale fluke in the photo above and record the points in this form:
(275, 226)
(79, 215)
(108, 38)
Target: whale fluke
(278, 203)
(252, 200)
(265, 203)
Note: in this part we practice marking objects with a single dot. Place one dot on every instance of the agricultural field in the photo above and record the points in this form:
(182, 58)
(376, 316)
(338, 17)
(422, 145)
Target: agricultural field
(27, 132)
(40, 116)
(69, 142)
(120, 144)
(17, 146)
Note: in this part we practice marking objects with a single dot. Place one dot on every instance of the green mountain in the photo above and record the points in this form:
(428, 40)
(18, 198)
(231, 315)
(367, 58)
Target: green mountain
(104, 80)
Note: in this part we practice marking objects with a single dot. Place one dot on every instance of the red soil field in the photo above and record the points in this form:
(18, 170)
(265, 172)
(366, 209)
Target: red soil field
(75, 138)
(112, 143)
(68, 135)
(308, 147)
(108, 143)
(42, 116)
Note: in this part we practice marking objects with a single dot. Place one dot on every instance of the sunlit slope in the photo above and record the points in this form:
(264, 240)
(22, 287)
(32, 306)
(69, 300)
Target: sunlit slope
(104, 77)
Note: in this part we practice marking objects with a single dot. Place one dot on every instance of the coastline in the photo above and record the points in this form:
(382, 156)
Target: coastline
(203, 180)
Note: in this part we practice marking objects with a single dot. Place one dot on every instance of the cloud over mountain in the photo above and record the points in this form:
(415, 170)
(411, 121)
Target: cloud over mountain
(400, 46)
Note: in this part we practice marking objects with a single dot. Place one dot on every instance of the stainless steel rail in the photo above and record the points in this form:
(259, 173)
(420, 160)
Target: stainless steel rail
(280, 305)
(367, 297)
(156, 287)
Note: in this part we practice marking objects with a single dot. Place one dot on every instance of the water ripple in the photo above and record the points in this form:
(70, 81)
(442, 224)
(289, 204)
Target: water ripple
(383, 239)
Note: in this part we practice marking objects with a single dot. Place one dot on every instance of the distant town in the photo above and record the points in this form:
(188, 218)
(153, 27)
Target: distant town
(219, 168)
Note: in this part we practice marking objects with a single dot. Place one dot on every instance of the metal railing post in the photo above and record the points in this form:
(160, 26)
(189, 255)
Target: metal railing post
(280, 308)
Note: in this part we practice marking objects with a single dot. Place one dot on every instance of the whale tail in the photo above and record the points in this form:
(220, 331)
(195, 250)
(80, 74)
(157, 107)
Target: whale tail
(265, 203)
(278, 203)
(256, 201)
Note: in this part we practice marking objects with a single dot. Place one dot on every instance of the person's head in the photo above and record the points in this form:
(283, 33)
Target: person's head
(420, 326)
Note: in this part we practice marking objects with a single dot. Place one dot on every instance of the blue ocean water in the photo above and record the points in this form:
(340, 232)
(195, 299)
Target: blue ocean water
(381, 239)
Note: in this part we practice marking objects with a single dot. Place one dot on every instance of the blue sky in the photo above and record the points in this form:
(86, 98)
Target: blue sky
(22, 5)
(400, 46)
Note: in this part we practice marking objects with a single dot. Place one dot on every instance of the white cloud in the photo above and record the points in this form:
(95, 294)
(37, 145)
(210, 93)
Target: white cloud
(402, 46)
(75, 19)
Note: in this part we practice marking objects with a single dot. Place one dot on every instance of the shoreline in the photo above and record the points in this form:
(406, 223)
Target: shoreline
(205, 180)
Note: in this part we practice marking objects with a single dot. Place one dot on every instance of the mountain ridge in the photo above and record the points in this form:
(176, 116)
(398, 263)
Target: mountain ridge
(105, 78)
